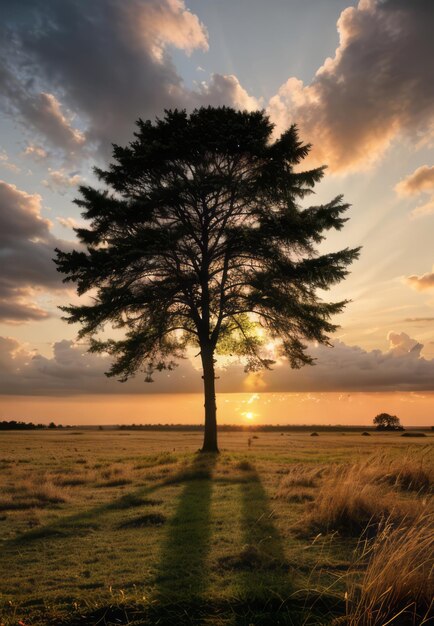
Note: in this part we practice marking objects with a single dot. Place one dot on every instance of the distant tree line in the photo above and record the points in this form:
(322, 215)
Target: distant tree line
(14, 425)
(243, 427)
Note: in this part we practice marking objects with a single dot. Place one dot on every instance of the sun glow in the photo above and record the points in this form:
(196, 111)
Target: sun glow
(249, 415)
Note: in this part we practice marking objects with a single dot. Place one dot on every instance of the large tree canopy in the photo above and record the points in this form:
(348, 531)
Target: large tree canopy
(199, 238)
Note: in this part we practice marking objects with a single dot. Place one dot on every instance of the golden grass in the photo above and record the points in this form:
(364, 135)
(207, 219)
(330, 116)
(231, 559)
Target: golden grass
(185, 527)
(299, 475)
(397, 586)
(412, 472)
(27, 493)
(353, 497)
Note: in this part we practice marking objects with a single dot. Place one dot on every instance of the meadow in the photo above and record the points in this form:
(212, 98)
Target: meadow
(131, 527)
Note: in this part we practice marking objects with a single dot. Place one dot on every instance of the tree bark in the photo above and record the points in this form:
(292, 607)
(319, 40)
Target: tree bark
(210, 435)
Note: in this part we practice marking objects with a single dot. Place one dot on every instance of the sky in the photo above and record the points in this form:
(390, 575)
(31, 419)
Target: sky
(358, 80)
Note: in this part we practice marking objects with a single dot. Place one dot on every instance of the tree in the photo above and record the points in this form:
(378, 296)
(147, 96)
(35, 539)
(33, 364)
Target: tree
(198, 239)
(384, 421)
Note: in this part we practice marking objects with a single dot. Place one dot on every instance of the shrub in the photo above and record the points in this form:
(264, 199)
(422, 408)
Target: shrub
(244, 466)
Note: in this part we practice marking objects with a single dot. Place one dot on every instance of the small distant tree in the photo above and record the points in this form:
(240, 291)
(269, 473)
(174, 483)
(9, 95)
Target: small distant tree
(199, 239)
(52, 425)
(384, 421)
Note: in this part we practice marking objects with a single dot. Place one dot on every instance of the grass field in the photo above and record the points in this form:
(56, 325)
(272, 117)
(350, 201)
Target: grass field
(137, 528)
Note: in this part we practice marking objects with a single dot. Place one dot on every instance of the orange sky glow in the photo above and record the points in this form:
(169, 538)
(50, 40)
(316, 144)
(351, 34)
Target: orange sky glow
(413, 409)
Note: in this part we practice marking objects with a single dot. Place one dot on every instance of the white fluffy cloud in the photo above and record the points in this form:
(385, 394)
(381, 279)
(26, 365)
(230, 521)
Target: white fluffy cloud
(378, 85)
(155, 25)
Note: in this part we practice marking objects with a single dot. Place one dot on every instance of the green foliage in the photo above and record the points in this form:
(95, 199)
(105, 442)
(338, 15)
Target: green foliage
(198, 238)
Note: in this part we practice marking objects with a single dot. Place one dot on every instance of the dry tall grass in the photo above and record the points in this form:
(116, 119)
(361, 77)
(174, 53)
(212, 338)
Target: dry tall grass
(353, 497)
(413, 471)
(398, 583)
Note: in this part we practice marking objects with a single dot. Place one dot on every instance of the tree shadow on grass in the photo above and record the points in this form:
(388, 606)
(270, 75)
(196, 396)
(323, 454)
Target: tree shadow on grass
(266, 577)
(182, 571)
(267, 594)
(80, 523)
(263, 575)
(181, 583)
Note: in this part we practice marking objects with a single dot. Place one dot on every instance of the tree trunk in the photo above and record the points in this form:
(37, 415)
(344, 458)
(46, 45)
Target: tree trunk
(210, 436)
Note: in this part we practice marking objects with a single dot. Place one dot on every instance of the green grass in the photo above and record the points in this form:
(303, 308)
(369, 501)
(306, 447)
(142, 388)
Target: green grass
(140, 529)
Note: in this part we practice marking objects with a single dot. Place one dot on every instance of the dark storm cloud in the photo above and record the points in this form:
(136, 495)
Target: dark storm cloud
(26, 252)
(378, 85)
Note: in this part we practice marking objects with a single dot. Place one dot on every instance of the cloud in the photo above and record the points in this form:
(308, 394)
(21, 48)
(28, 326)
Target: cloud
(61, 181)
(36, 152)
(419, 182)
(7, 164)
(69, 222)
(48, 117)
(72, 371)
(26, 252)
(224, 89)
(41, 112)
(424, 209)
(402, 344)
(379, 85)
(107, 62)
(419, 320)
(155, 25)
(421, 283)
(351, 368)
